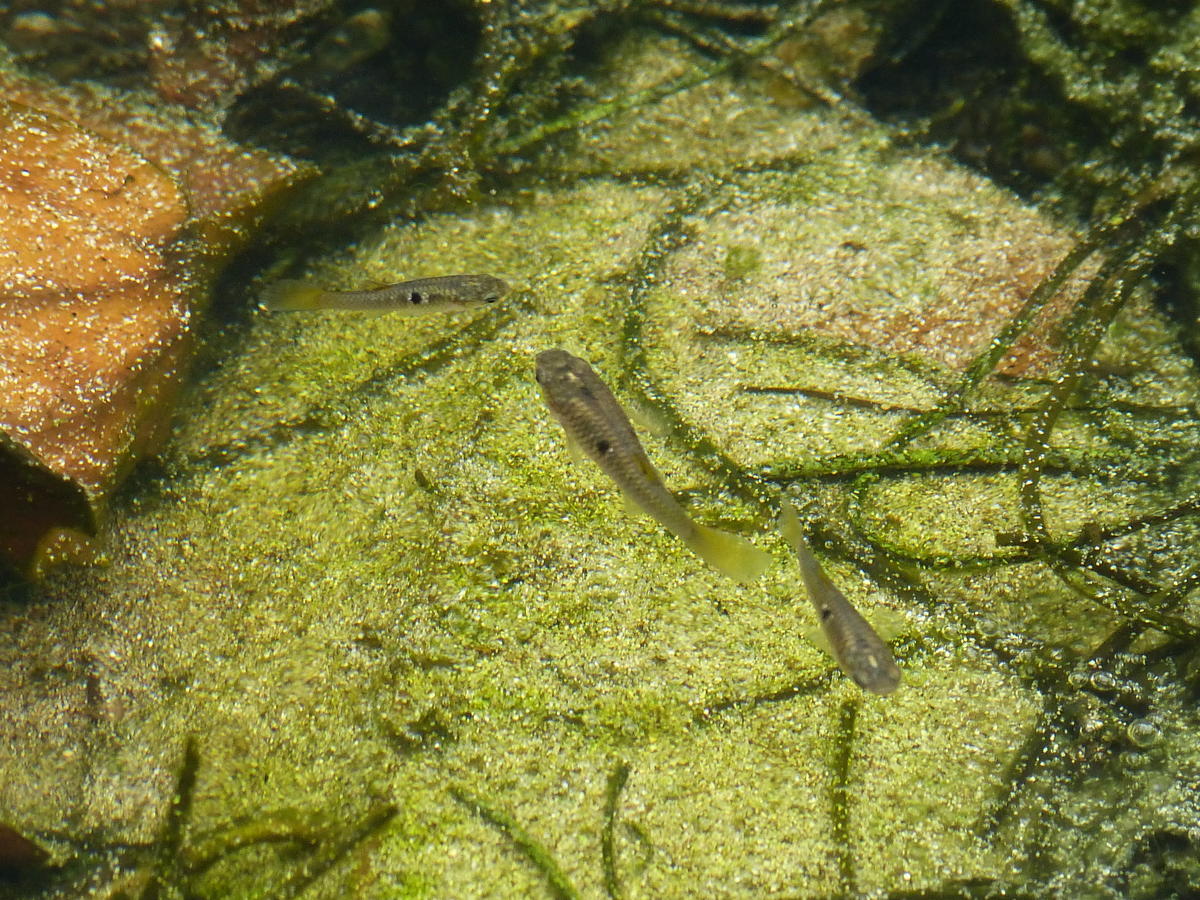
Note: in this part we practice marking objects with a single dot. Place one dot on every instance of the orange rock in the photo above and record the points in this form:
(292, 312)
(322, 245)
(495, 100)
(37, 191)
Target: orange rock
(98, 286)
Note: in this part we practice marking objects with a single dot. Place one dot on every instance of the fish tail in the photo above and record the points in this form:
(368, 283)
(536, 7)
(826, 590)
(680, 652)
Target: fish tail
(789, 523)
(793, 533)
(291, 294)
(730, 554)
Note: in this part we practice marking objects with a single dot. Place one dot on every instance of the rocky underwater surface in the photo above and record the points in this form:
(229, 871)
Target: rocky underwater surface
(363, 628)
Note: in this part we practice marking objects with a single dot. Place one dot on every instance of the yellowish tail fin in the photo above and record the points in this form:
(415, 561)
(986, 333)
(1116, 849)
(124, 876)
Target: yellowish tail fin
(290, 294)
(730, 554)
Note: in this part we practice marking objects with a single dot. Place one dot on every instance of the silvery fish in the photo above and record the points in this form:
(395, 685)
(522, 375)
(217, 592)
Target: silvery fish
(597, 425)
(857, 648)
(418, 297)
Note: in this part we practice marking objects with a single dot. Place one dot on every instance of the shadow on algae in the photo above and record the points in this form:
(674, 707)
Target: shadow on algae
(369, 632)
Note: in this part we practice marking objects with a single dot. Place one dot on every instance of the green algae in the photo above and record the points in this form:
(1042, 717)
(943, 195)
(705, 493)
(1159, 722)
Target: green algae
(371, 580)
(740, 261)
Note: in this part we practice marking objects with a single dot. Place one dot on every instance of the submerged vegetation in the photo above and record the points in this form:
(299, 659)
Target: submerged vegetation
(427, 658)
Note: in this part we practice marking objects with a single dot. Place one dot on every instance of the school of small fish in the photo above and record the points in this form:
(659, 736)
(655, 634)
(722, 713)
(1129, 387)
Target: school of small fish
(598, 428)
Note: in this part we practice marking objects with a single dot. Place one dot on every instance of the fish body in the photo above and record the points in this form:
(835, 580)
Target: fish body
(421, 296)
(859, 651)
(596, 424)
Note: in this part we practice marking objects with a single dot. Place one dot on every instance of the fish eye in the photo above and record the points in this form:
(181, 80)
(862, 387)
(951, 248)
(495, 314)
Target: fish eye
(415, 297)
(491, 298)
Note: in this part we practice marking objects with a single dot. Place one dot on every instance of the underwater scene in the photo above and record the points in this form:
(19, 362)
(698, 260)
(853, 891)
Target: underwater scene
(618, 449)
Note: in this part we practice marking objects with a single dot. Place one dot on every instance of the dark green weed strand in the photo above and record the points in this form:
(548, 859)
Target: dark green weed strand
(930, 460)
(1001, 344)
(669, 235)
(839, 399)
(424, 363)
(829, 348)
(608, 850)
(283, 827)
(1186, 508)
(560, 885)
(874, 561)
(1105, 297)
(609, 108)
(1136, 611)
(1029, 757)
(166, 861)
(985, 363)
(1171, 596)
(839, 794)
(715, 42)
(329, 855)
(721, 9)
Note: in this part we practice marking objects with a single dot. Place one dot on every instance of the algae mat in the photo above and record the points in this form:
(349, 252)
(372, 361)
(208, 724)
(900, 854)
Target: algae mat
(372, 633)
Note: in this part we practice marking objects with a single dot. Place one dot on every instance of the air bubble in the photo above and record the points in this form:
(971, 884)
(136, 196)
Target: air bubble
(987, 627)
(1103, 681)
(1131, 759)
(1143, 734)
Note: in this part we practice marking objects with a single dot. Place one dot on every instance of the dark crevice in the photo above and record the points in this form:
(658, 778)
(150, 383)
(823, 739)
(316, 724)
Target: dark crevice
(966, 85)
(421, 52)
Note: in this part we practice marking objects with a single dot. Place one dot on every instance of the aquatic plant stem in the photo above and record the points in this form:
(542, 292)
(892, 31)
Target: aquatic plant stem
(560, 884)
(608, 851)
(985, 363)
(839, 793)
(609, 108)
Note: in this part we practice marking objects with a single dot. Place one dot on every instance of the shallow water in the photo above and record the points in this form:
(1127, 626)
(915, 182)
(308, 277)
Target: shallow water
(367, 630)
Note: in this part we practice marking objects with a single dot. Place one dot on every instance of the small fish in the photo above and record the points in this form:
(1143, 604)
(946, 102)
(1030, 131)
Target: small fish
(856, 647)
(597, 426)
(418, 297)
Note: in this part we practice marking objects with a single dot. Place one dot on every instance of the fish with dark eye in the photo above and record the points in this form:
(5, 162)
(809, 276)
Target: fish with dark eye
(859, 651)
(596, 424)
(419, 297)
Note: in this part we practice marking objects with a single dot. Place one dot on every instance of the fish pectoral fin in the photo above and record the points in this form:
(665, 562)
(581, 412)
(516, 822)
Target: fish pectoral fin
(888, 623)
(647, 418)
(573, 448)
(730, 554)
(631, 505)
(819, 639)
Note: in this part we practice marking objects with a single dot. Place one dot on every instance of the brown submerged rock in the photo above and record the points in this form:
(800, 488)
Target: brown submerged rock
(110, 217)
